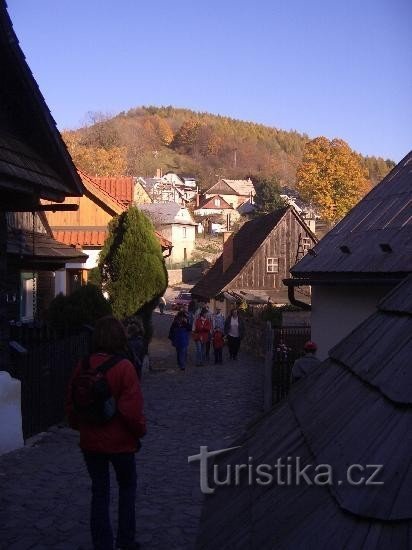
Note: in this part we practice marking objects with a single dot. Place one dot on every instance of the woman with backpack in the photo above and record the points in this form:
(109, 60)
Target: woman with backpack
(105, 404)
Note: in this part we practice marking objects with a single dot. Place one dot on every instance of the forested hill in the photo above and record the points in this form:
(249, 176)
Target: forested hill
(139, 141)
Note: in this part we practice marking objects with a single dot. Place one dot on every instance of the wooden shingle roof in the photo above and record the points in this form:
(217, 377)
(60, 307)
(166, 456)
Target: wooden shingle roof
(33, 156)
(355, 408)
(375, 237)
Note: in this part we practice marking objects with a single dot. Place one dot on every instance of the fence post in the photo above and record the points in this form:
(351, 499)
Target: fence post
(267, 390)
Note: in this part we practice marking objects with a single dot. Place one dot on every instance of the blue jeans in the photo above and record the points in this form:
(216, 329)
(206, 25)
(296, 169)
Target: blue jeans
(200, 352)
(125, 468)
(181, 357)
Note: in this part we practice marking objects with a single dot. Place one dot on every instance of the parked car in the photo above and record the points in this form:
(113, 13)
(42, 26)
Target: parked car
(182, 300)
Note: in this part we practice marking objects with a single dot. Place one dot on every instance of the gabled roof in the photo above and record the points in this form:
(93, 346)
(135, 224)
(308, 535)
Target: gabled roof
(96, 236)
(33, 156)
(165, 213)
(246, 243)
(119, 187)
(353, 409)
(232, 187)
(382, 217)
(108, 202)
(208, 203)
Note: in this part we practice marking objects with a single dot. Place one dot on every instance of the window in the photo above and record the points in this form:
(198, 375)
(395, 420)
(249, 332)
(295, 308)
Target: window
(27, 296)
(184, 232)
(306, 243)
(217, 202)
(272, 265)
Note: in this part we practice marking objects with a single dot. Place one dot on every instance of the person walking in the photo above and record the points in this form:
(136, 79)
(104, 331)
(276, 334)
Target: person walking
(303, 365)
(179, 334)
(234, 331)
(218, 319)
(218, 343)
(162, 305)
(112, 437)
(201, 335)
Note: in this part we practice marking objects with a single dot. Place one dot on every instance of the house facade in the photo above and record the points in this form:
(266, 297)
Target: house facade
(235, 192)
(175, 223)
(216, 214)
(256, 259)
(36, 262)
(360, 259)
(87, 228)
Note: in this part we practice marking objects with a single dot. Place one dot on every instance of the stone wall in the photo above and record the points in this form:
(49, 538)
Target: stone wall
(184, 275)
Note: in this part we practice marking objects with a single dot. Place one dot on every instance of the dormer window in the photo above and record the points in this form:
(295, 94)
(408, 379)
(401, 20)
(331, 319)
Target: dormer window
(217, 202)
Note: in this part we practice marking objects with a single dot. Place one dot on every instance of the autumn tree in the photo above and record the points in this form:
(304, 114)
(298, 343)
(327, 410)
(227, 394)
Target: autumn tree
(267, 197)
(131, 264)
(331, 177)
(95, 160)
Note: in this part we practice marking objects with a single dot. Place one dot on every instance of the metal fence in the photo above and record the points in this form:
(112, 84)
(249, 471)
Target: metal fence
(284, 346)
(43, 361)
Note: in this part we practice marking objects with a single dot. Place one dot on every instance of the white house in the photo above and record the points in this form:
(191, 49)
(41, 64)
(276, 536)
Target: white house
(176, 224)
(359, 260)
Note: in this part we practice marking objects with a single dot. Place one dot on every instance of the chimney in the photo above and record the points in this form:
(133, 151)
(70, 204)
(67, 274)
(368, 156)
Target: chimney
(197, 199)
(227, 250)
(159, 173)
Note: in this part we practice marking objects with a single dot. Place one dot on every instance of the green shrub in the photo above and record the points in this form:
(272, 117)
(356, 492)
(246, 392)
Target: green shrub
(83, 307)
(132, 265)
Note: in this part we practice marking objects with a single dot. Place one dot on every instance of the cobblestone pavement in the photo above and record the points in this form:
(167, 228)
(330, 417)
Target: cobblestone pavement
(44, 489)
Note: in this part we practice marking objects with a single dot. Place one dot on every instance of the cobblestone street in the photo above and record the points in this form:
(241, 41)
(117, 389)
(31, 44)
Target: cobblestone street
(44, 489)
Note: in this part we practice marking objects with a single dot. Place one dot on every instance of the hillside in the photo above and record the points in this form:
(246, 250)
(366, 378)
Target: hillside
(139, 141)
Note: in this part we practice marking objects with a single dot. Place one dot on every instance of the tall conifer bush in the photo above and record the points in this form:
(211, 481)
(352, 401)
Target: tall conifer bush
(131, 263)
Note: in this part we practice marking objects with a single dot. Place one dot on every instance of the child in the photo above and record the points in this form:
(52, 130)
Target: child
(218, 343)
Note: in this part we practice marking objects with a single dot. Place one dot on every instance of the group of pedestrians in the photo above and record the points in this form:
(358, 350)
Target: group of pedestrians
(207, 331)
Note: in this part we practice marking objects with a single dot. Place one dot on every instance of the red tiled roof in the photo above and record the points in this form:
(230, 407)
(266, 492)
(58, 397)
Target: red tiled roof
(119, 187)
(99, 192)
(81, 237)
(91, 237)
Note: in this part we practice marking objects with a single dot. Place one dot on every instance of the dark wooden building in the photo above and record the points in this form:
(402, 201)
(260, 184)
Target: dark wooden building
(257, 258)
(34, 165)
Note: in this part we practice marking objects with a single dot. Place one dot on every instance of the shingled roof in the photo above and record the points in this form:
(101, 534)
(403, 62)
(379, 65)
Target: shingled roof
(375, 237)
(33, 156)
(354, 408)
(245, 244)
(243, 188)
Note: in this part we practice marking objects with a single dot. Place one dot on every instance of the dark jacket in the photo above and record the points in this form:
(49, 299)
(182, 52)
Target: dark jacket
(179, 333)
(303, 366)
(121, 434)
(241, 326)
(136, 346)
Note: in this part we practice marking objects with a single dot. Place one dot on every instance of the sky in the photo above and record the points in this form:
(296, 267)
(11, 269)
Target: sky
(321, 67)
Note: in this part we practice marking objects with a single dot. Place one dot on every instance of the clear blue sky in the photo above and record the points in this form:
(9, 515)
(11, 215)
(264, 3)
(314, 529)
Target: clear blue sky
(324, 67)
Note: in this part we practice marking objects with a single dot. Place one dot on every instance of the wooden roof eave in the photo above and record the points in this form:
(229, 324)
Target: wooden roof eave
(38, 107)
